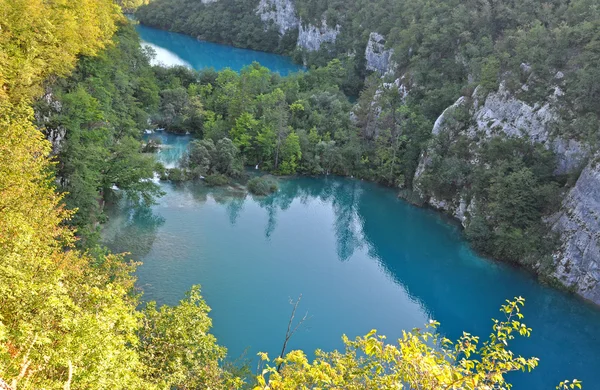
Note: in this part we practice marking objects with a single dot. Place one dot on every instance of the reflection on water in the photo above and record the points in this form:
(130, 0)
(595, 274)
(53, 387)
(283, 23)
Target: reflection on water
(178, 49)
(164, 57)
(133, 229)
(361, 258)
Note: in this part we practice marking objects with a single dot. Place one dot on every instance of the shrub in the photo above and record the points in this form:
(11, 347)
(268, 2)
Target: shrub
(216, 180)
(262, 185)
(176, 174)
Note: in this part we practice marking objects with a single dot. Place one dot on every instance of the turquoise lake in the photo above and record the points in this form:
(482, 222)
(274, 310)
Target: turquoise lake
(179, 49)
(361, 259)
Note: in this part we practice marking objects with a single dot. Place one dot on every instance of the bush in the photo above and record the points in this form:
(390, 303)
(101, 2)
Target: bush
(161, 171)
(216, 180)
(176, 174)
(262, 185)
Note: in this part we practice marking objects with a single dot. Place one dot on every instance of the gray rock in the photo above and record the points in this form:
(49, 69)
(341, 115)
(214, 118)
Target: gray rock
(442, 121)
(280, 12)
(502, 114)
(578, 223)
(525, 68)
(375, 109)
(311, 37)
(54, 135)
(378, 58)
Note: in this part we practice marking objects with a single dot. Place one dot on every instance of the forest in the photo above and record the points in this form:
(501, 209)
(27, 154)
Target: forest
(74, 72)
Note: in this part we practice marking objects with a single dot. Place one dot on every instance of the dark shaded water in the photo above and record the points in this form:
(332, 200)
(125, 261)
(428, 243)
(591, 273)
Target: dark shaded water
(361, 258)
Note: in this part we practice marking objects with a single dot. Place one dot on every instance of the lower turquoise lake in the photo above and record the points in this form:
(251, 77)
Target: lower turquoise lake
(360, 257)
(179, 49)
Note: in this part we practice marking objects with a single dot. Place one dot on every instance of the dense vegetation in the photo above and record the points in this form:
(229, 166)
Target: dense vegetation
(262, 185)
(131, 5)
(96, 117)
(297, 124)
(68, 320)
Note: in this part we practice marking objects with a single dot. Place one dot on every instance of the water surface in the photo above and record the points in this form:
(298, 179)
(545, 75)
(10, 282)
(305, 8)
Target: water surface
(361, 259)
(179, 49)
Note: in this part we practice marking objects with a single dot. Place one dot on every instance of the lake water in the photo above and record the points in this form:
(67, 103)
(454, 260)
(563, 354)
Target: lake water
(179, 49)
(361, 259)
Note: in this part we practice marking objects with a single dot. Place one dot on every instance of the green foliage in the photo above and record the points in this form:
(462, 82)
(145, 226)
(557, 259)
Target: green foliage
(490, 74)
(290, 154)
(176, 345)
(176, 175)
(206, 158)
(422, 359)
(97, 116)
(263, 185)
(512, 188)
(216, 180)
(260, 118)
(131, 5)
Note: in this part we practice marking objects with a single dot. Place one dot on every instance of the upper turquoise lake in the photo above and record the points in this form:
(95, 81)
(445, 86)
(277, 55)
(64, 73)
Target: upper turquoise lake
(179, 49)
(360, 257)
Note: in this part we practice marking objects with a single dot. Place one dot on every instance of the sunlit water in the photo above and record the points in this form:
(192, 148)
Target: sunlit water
(361, 259)
(179, 49)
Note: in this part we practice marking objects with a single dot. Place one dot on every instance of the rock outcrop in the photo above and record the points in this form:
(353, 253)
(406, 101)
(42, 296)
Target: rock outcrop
(43, 114)
(311, 37)
(280, 12)
(283, 14)
(502, 114)
(378, 58)
(578, 223)
(398, 85)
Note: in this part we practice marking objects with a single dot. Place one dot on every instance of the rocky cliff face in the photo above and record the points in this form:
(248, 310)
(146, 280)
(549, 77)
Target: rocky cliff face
(283, 14)
(502, 114)
(378, 58)
(312, 37)
(280, 12)
(48, 106)
(578, 223)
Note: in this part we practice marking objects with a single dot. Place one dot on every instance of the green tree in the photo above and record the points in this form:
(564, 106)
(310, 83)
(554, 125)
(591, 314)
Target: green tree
(244, 131)
(290, 154)
(227, 159)
(176, 345)
(422, 359)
